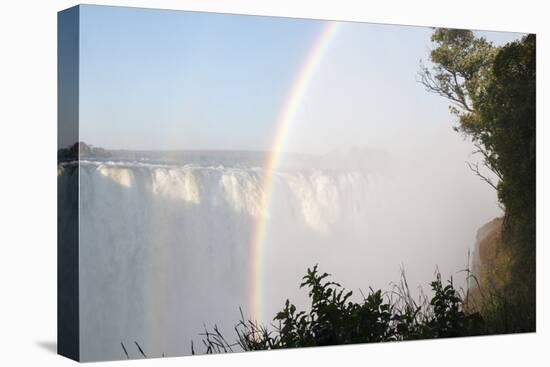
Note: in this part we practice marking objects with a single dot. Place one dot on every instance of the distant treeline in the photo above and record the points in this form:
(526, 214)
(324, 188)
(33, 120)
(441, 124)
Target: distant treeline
(80, 149)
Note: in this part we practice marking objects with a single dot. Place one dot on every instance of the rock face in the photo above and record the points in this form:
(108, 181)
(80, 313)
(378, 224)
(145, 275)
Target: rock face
(491, 259)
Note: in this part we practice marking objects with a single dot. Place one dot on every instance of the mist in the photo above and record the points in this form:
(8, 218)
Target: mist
(413, 210)
(166, 247)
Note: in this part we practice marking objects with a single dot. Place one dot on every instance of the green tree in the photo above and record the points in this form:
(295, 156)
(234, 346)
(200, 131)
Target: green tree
(492, 92)
(509, 111)
(461, 72)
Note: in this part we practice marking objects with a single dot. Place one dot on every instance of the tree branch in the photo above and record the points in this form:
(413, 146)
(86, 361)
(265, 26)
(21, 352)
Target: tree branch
(475, 169)
(453, 92)
(488, 159)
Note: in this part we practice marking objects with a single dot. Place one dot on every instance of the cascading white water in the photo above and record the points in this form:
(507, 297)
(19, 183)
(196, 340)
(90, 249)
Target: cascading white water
(165, 248)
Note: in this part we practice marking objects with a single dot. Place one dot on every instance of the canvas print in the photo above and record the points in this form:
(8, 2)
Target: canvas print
(232, 183)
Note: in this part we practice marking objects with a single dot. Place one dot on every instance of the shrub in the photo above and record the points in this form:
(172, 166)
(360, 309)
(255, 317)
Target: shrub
(334, 319)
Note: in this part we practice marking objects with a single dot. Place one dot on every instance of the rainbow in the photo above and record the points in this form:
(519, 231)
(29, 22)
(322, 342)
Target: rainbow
(283, 123)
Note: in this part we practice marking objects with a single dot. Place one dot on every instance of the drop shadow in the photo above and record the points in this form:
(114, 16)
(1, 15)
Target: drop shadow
(48, 345)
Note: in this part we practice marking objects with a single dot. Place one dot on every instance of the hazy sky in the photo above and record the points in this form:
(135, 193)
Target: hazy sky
(153, 79)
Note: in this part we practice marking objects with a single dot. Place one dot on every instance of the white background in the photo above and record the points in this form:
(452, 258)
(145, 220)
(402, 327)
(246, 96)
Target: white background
(28, 181)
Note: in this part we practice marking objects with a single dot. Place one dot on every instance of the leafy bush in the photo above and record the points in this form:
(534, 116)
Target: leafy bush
(334, 319)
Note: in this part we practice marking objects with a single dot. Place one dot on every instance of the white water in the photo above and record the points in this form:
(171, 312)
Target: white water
(165, 248)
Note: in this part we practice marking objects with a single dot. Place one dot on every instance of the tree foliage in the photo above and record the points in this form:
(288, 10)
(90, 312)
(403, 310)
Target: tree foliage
(492, 91)
(461, 72)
